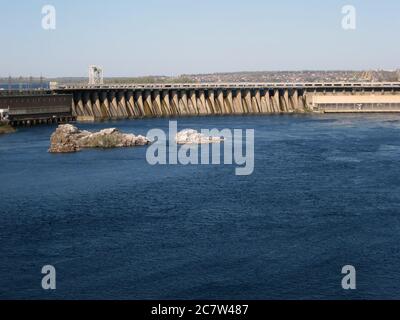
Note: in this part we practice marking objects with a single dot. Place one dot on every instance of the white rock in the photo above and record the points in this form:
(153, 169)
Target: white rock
(67, 129)
(109, 131)
(191, 136)
(69, 138)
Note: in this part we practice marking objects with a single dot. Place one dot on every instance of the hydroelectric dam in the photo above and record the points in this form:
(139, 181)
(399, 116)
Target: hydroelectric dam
(166, 100)
(124, 101)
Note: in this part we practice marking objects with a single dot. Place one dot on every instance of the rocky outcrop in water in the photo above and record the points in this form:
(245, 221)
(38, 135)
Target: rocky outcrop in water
(5, 128)
(193, 137)
(68, 138)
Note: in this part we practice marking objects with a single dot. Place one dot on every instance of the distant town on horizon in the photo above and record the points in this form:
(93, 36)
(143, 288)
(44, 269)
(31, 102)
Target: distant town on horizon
(242, 76)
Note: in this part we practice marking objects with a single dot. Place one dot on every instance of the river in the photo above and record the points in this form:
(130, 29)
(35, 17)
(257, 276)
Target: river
(325, 193)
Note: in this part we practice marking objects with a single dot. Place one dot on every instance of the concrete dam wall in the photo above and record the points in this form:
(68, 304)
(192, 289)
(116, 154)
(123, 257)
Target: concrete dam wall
(139, 101)
(166, 103)
(97, 102)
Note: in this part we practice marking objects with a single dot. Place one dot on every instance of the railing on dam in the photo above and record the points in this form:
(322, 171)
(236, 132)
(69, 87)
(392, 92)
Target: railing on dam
(238, 85)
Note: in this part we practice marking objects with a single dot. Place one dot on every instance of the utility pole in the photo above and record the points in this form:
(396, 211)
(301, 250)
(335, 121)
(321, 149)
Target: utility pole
(41, 81)
(9, 84)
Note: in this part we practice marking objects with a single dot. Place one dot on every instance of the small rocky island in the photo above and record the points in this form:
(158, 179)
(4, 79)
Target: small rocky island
(191, 136)
(68, 138)
(6, 128)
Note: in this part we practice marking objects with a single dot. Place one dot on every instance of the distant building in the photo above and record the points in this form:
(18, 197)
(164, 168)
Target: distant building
(3, 114)
(36, 108)
(53, 85)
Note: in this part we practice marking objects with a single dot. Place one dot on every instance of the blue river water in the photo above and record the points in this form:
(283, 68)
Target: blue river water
(325, 193)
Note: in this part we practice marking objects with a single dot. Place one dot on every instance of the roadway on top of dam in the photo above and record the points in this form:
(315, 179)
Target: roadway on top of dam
(233, 85)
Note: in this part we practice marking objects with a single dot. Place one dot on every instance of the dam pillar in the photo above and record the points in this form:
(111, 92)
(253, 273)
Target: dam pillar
(79, 104)
(73, 107)
(88, 108)
(130, 104)
(139, 105)
(238, 103)
(220, 102)
(228, 102)
(247, 102)
(242, 102)
(294, 100)
(96, 105)
(156, 101)
(285, 100)
(148, 105)
(264, 103)
(183, 103)
(113, 104)
(122, 111)
(165, 102)
(270, 101)
(193, 102)
(175, 102)
(300, 101)
(235, 105)
(211, 106)
(275, 102)
(104, 105)
(201, 103)
(257, 100)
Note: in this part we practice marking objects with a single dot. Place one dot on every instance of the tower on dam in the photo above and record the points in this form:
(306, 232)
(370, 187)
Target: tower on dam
(95, 75)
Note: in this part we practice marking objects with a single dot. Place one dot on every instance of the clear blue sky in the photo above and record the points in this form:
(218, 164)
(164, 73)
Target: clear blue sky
(171, 37)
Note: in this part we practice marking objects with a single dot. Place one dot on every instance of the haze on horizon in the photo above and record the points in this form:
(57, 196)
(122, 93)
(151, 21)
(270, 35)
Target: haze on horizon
(158, 37)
